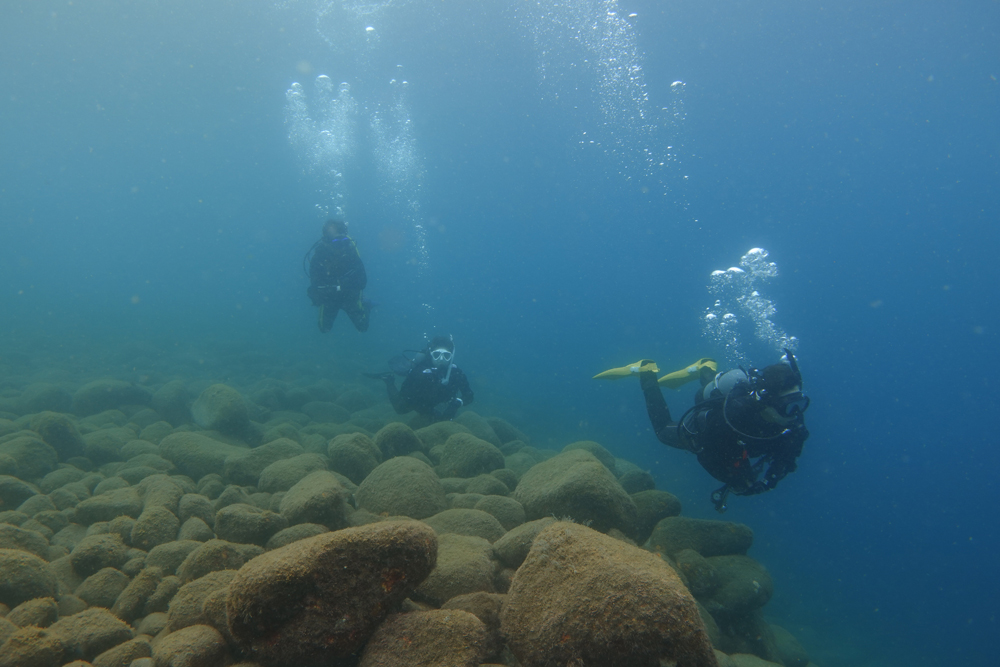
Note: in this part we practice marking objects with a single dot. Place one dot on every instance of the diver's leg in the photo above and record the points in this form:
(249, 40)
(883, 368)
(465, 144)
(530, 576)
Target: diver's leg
(659, 413)
(327, 315)
(358, 312)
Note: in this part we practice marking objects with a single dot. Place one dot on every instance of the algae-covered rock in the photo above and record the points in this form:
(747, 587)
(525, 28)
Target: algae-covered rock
(105, 445)
(465, 455)
(222, 408)
(294, 534)
(351, 578)
(24, 576)
(107, 394)
(128, 605)
(59, 432)
(325, 411)
(173, 402)
(27, 458)
(436, 638)
(317, 498)
(479, 427)
(106, 506)
(195, 529)
(14, 537)
(505, 431)
(196, 455)
(193, 646)
(438, 433)
(707, 537)
(245, 468)
(575, 484)
(90, 633)
(186, 606)
(397, 439)
(585, 598)
(652, 506)
(464, 565)
(507, 511)
(32, 647)
(283, 475)
(486, 607)
(513, 547)
(636, 481)
(402, 486)
(789, 649)
(211, 556)
(467, 522)
(102, 588)
(743, 586)
(598, 450)
(247, 524)
(354, 455)
(13, 492)
(123, 654)
(156, 525)
(487, 485)
(96, 552)
(42, 397)
(40, 612)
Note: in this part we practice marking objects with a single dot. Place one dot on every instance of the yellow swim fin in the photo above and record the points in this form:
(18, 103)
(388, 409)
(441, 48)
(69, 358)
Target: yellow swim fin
(685, 375)
(640, 366)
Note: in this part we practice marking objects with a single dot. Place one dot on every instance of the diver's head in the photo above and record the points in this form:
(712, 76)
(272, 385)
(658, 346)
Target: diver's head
(441, 350)
(780, 389)
(333, 229)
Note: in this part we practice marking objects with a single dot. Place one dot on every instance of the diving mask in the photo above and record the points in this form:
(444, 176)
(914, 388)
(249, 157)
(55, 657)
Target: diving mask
(791, 404)
(442, 355)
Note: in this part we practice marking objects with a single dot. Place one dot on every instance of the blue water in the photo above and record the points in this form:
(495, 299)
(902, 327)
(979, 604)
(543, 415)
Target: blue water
(151, 203)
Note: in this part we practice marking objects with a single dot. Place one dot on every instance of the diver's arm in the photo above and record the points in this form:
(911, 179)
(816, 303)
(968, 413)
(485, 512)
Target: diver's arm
(783, 462)
(463, 386)
(656, 408)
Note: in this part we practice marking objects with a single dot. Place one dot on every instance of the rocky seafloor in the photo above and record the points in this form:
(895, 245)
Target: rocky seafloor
(188, 524)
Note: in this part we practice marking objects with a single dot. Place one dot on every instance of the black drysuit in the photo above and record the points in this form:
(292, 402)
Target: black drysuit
(336, 278)
(728, 434)
(423, 389)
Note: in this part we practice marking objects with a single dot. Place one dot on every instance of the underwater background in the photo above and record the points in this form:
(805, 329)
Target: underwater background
(554, 183)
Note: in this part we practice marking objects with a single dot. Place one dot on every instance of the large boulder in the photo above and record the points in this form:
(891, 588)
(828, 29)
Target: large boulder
(317, 498)
(247, 524)
(479, 427)
(59, 432)
(42, 396)
(106, 506)
(13, 492)
(585, 598)
(32, 647)
(244, 468)
(436, 638)
(90, 633)
(107, 394)
(193, 646)
(402, 486)
(221, 408)
(465, 455)
(397, 439)
(354, 455)
(465, 565)
(706, 536)
(318, 600)
(172, 401)
(23, 577)
(105, 445)
(652, 507)
(196, 455)
(27, 457)
(96, 552)
(284, 474)
(473, 522)
(576, 485)
(743, 585)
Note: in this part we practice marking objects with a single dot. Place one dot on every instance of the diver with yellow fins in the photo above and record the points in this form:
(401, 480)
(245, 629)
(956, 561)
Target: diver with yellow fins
(741, 421)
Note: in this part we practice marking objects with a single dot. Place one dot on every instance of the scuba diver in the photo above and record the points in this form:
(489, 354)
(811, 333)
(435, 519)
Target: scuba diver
(431, 380)
(742, 421)
(337, 277)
